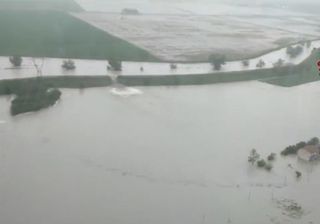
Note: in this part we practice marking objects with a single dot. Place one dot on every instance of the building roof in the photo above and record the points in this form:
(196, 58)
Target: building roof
(312, 149)
(308, 152)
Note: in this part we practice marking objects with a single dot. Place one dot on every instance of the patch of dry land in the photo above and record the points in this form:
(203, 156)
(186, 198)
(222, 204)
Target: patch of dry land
(194, 37)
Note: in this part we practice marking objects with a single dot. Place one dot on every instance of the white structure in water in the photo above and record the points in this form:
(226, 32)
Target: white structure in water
(309, 153)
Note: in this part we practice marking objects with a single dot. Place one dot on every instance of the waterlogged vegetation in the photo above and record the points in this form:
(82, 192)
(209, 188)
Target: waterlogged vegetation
(29, 96)
(34, 100)
(38, 93)
(255, 159)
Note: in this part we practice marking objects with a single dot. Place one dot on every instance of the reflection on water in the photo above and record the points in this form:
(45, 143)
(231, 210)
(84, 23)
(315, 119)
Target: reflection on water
(170, 155)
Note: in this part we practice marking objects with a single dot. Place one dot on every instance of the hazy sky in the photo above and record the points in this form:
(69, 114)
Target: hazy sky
(280, 7)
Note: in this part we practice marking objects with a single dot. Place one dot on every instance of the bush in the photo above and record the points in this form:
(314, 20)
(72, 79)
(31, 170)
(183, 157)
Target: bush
(313, 141)
(298, 174)
(261, 163)
(34, 101)
(68, 65)
(115, 65)
(16, 61)
(245, 63)
(253, 157)
(173, 66)
(293, 149)
(217, 61)
(293, 52)
(268, 166)
(272, 157)
(279, 63)
(261, 64)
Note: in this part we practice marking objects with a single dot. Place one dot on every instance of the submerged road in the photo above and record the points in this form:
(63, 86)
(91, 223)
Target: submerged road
(52, 66)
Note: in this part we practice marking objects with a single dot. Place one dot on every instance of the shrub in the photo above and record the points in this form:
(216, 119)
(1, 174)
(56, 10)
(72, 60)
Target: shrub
(173, 66)
(271, 157)
(245, 63)
(115, 65)
(279, 63)
(217, 60)
(253, 157)
(293, 149)
(313, 141)
(293, 52)
(261, 64)
(68, 65)
(34, 101)
(298, 174)
(261, 163)
(268, 166)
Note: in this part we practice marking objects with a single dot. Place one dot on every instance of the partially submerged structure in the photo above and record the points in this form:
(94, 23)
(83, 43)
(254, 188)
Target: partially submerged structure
(130, 11)
(309, 153)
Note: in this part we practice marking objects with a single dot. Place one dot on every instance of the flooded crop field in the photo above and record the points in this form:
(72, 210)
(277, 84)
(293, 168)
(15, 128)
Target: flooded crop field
(195, 37)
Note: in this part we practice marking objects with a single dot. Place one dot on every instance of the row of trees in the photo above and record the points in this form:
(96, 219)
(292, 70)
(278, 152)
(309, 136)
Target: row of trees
(255, 159)
(216, 60)
(68, 64)
(293, 149)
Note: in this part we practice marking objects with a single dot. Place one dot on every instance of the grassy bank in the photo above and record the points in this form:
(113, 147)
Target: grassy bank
(41, 33)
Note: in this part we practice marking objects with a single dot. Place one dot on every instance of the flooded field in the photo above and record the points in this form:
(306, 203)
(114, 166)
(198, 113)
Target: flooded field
(194, 37)
(165, 155)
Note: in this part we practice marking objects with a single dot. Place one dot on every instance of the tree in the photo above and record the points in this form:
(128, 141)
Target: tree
(261, 64)
(298, 174)
(68, 64)
(271, 157)
(217, 61)
(173, 66)
(279, 63)
(268, 166)
(245, 63)
(16, 61)
(115, 65)
(261, 163)
(313, 141)
(253, 157)
(293, 52)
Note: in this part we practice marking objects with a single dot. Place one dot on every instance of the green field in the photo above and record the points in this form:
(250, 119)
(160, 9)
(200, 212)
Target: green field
(40, 33)
(62, 5)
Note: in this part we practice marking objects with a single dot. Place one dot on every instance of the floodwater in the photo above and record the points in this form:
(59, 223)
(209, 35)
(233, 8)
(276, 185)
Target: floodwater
(167, 155)
(52, 66)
